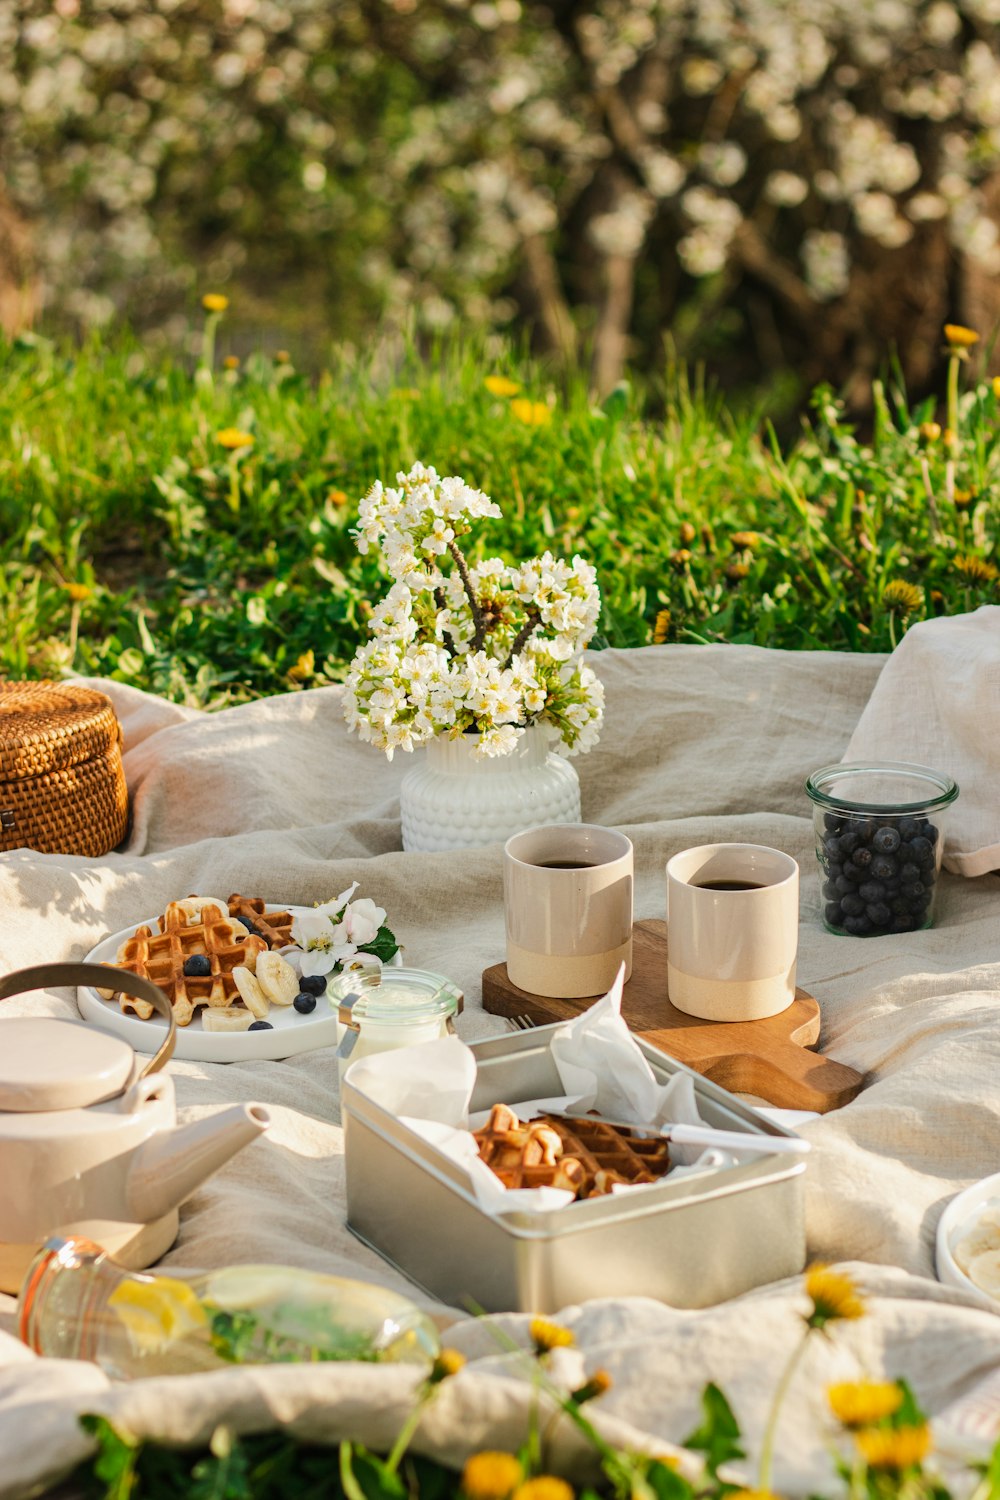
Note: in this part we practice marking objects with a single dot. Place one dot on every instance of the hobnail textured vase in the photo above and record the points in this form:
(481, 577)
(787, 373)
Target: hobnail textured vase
(453, 800)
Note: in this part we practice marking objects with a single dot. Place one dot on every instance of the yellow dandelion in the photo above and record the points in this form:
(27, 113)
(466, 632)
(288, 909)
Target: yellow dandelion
(544, 1487)
(232, 437)
(752, 1495)
(737, 571)
(833, 1295)
(959, 337)
(231, 362)
(499, 385)
(214, 302)
(894, 1447)
(975, 569)
(901, 596)
(491, 1476)
(745, 540)
(595, 1385)
(531, 413)
(930, 431)
(304, 668)
(78, 591)
(861, 1403)
(996, 386)
(681, 557)
(964, 499)
(447, 1363)
(687, 533)
(337, 498)
(546, 1335)
(661, 627)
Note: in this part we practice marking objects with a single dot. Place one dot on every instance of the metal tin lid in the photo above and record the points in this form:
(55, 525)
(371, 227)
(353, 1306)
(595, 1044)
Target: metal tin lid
(396, 997)
(50, 1064)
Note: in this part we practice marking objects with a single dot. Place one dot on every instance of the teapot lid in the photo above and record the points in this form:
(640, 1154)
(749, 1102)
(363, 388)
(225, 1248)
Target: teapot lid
(51, 1064)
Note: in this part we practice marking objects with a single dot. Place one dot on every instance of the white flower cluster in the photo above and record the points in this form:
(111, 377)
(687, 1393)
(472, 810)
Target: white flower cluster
(331, 935)
(454, 649)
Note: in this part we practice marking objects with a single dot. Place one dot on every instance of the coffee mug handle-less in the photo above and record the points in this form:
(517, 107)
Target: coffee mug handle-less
(569, 929)
(731, 953)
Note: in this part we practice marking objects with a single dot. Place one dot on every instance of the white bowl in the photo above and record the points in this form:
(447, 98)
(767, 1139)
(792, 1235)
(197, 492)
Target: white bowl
(957, 1219)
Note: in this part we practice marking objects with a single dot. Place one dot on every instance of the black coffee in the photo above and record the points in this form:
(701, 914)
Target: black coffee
(565, 864)
(728, 885)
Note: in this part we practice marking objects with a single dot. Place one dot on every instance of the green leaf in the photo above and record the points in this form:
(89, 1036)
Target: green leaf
(383, 945)
(116, 1458)
(718, 1436)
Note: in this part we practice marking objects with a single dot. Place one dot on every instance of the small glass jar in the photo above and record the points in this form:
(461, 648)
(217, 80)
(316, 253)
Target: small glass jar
(879, 839)
(381, 1009)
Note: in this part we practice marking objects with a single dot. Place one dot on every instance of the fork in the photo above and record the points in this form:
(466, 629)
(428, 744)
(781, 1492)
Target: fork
(520, 1023)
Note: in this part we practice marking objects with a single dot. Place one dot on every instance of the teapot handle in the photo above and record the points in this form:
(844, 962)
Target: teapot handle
(100, 976)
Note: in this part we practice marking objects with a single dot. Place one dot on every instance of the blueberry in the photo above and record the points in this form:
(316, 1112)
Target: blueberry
(878, 914)
(260, 1026)
(909, 827)
(833, 822)
(886, 841)
(865, 829)
(921, 850)
(913, 890)
(884, 867)
(872, 890)
(312, 984)
(251, 927)
(847, 843)
(909, 871)
(844, 886)
(831, 848)
(862, 857)
(857, 926)
(854, 873)
(830, 890)
(304, 1002)
(852, 904)
(197, 966)
(834, 914)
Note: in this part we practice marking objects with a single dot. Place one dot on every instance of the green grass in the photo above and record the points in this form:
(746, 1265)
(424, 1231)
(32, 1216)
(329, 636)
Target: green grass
(134, 545)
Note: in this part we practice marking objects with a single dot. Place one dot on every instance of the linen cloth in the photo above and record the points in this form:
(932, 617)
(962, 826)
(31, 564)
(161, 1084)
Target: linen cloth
(937, 704)
(700, 744)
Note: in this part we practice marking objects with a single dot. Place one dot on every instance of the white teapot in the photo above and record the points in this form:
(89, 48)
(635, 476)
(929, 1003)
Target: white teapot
(89, 1141)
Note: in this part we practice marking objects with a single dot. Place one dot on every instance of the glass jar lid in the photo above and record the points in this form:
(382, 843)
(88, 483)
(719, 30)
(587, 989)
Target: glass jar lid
(390, 996)
(881, 786)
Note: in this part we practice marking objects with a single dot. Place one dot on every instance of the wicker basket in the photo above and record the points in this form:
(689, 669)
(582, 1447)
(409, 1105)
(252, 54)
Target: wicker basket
(62, 783)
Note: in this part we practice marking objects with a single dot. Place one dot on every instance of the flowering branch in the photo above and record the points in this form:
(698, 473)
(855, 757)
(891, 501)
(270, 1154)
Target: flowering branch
(521, 639)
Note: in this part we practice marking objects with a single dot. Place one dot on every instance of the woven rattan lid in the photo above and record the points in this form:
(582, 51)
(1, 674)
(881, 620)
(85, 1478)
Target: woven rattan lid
(48, 726)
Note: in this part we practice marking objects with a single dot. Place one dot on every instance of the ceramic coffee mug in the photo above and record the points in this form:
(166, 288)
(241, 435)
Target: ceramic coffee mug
(568, 906)
(732, 931)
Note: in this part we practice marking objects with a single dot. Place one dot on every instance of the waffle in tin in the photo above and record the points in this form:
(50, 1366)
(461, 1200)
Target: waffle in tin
(586, 1155)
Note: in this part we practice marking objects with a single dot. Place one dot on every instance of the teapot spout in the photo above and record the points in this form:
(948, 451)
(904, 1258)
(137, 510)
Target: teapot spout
(169, 1167)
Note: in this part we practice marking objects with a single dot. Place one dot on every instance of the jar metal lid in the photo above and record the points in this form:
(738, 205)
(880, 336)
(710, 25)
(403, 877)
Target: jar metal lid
(881, 786)
(396, 997)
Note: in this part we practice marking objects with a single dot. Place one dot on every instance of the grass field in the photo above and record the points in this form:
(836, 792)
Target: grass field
(135, 544)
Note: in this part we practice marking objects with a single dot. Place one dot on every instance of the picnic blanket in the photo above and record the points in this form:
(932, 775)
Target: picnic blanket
(700, 744)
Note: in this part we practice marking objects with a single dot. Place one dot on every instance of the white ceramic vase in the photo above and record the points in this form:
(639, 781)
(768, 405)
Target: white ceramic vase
(453, 800)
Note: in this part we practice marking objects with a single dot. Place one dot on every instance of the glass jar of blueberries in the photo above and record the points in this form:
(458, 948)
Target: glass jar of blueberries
(879, 839)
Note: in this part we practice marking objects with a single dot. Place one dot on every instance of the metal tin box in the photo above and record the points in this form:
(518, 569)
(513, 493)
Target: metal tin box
(690, 1242)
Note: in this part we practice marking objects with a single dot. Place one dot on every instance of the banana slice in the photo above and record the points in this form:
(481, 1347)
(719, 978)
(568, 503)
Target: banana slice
(226, 1020)
(193, 906)
(251, 994)
(984, 1272)
(277, 978)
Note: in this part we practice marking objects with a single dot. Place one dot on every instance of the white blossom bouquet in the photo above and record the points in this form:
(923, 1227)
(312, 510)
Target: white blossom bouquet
(456, 649)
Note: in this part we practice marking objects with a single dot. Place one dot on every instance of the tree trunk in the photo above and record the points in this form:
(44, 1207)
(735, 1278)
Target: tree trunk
(611, 333)
(19, 292)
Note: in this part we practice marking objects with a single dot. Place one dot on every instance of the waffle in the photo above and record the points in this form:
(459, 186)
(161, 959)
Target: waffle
(275, 927)
(585, 1155)
(159, 955)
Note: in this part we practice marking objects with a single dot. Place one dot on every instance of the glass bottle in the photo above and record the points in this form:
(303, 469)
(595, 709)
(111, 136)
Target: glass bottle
(78, 1303)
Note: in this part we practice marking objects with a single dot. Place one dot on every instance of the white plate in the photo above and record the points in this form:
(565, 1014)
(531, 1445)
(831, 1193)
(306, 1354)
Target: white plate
(291, 1032)
(956, 1220)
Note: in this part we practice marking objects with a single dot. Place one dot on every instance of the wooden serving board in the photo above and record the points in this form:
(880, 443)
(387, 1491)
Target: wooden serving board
(767, 1058)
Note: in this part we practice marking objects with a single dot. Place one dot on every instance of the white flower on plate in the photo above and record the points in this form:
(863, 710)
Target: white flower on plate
(316, 935)
(362, 920)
